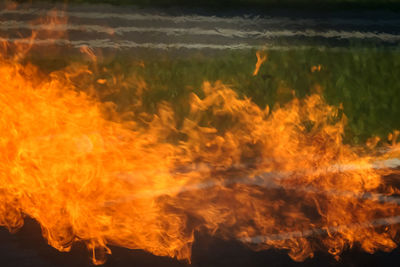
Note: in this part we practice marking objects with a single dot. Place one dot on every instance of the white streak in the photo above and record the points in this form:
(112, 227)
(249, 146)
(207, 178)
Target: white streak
(223, 32)
(124, 44)
(245, 20)
(320, 231)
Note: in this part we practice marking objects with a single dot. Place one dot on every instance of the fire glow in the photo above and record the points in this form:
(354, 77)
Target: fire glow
(270, 178)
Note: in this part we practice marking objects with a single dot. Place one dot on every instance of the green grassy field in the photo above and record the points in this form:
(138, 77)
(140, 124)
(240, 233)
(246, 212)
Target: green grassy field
(365, 80)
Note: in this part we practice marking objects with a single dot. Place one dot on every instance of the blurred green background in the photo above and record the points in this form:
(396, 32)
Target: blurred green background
(365, 80)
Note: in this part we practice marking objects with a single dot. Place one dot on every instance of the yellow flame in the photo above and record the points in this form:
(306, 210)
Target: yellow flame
(267, 177)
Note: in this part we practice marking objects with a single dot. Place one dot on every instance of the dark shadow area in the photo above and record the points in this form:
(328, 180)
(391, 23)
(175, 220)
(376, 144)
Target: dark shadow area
(28, 248)
(246, 4)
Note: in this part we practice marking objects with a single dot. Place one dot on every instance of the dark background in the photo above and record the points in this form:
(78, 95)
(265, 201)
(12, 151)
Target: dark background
(28, 248)
(247, 4)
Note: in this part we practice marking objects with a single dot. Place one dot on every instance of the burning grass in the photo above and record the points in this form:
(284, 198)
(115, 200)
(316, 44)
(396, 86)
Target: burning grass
(365, 80)
(89, 154)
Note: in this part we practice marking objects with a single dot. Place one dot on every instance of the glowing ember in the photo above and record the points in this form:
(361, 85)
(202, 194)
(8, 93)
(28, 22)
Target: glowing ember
(272, 179)
(261, 58)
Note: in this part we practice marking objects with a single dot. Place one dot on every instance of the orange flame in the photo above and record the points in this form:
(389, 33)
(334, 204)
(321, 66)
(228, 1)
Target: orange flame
(272, 179)
(261, 58)
(10, 5)
(316, 68)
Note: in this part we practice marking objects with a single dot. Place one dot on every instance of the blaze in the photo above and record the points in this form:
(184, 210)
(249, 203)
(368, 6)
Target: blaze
(271, 178)
(261, 58)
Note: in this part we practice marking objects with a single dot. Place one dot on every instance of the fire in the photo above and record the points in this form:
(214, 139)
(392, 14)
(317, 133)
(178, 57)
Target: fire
(279, 178)
(316, 68)
(261, 58)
